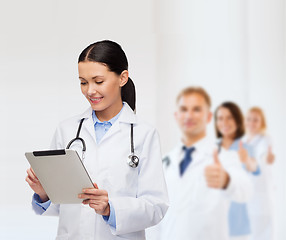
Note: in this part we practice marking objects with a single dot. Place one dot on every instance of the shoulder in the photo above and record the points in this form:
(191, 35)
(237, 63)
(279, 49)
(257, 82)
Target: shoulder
(144, 126)
(73, 122)
(265, 139)
(128, 117)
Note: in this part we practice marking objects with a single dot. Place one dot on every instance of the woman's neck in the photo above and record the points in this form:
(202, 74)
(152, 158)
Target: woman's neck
(251, 136)
(110, 112)
(227, 142)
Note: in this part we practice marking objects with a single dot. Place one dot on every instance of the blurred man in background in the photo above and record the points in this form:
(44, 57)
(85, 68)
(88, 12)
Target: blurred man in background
(201, 181)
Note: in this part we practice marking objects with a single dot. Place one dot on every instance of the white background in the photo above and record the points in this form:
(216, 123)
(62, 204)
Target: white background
(235, 49)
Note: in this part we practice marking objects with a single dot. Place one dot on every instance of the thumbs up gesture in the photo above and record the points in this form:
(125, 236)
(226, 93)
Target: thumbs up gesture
(270, 158)
(243, 154)
(250, 163)
(216, 176)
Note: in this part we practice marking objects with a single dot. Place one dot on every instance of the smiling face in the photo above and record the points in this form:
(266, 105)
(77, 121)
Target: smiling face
(102, 88)
(253, 123)
(193, 115)
(225, 123)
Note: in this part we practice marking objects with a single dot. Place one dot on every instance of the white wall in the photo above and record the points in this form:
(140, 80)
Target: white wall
(235, 49)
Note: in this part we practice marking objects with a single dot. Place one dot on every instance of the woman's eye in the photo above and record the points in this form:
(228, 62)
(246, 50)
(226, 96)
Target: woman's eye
(99, 82)
(83, 83)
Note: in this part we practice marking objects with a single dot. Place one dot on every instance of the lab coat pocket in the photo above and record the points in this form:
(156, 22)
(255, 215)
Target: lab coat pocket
(62, 237)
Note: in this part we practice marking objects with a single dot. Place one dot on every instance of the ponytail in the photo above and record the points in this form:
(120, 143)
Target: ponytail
(128, 94)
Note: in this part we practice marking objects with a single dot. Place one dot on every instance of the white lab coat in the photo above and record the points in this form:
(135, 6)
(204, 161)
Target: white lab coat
(197, 211)
(261, 205)
(138, 195)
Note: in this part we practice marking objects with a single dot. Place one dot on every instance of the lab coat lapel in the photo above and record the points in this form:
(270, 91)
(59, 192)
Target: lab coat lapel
(127, 116)
(88, 123)
(113, 129)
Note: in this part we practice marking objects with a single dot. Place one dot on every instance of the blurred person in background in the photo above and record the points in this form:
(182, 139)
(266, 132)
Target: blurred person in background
(200, 182)
(229, 126)
(261, 205)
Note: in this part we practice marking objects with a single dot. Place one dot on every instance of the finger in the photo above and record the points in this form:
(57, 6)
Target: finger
(31, 174)
(32, 178)
(94, 206)
(30, 182)
(215, 156)
(94, 191)
(97, 207)
(213, 184)
(95, 185)
(89, 196)
(213, 179)
(34, 173)
(89, 201)
(212, 173)
(240, 145)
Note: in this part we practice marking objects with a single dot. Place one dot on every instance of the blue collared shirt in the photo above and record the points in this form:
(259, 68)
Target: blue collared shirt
(101, 129)
(239, 223)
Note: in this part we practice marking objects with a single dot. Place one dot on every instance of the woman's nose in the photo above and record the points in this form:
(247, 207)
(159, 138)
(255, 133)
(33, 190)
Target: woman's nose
(91, 89)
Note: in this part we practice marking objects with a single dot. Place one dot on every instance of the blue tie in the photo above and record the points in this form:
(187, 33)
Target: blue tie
(187, 159)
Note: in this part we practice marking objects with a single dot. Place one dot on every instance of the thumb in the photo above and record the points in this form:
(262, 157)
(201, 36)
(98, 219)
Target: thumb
(215, 156)
(240, 145)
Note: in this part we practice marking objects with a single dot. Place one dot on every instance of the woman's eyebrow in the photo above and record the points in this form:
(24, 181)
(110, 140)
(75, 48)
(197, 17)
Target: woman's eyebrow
(96, 76)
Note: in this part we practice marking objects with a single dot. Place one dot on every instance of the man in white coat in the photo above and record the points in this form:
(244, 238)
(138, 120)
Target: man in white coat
(201, 182)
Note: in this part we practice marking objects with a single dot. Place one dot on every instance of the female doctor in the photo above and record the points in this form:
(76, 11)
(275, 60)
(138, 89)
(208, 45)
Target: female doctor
(261, 207)
(130, 193)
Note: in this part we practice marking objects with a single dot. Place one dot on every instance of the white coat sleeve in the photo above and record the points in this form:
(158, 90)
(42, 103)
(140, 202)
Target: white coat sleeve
(53, 209)
(240, 186)
(150, 205)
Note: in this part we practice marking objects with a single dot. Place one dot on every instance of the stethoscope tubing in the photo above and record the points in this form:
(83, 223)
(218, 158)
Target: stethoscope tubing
(133, 159)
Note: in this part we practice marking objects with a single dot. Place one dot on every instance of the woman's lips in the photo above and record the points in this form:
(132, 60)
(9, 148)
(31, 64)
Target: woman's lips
(95, 100)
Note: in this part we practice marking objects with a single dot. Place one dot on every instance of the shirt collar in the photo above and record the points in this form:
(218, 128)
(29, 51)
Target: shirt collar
(204, 146)
(126, 116)
(199, 144)
(235, 145)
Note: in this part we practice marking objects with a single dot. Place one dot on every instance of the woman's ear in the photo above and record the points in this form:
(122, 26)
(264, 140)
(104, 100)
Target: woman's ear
(124, 78)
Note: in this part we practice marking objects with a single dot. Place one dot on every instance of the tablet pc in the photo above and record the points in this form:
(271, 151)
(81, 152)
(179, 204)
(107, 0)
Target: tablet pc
(61, 173)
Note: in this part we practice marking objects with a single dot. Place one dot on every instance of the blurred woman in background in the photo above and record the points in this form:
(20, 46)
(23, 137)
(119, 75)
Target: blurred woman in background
(229, 125)
(261, 206)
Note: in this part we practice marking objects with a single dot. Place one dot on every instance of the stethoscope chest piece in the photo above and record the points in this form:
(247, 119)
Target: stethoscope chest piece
(133, 161)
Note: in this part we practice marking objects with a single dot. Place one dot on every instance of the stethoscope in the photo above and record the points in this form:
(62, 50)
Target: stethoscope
(132, 160)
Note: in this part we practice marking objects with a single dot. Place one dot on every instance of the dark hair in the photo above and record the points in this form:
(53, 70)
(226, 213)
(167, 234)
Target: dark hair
(111, 54)
(237, 116)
